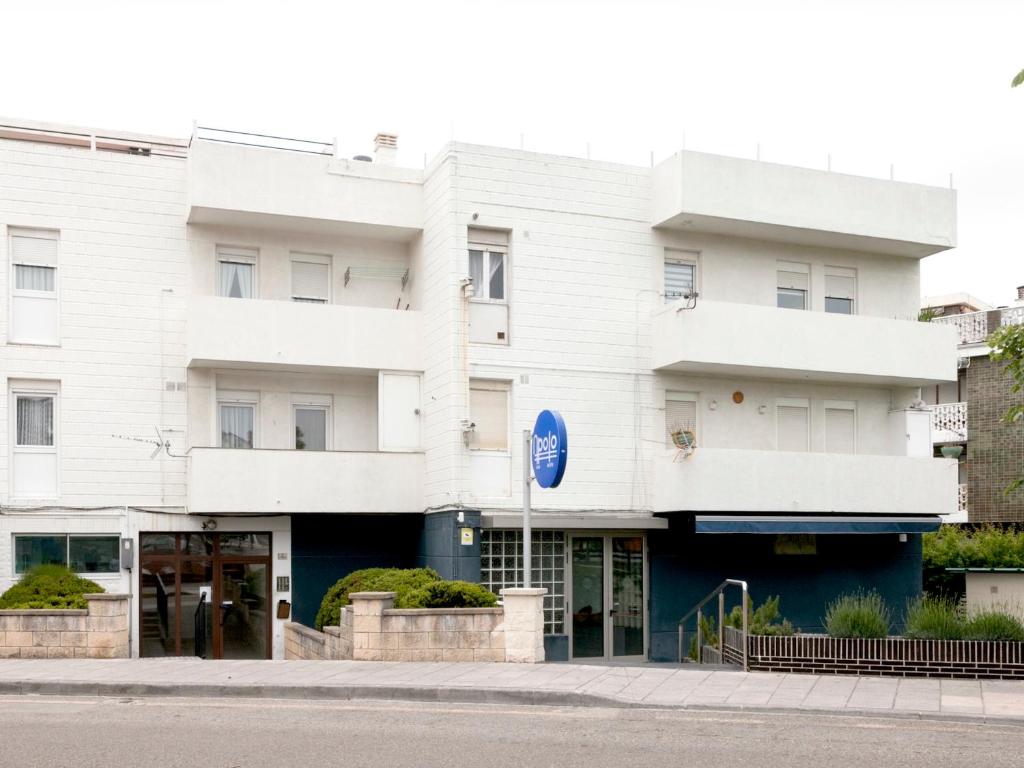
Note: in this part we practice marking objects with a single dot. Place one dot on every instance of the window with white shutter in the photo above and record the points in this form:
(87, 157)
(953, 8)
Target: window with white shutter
(34, 315)
(840, 427)
(793, 424)
(680, 414)
(680, 275)
(793, 281)
(488, 411)
(311, 278)
(840, 290)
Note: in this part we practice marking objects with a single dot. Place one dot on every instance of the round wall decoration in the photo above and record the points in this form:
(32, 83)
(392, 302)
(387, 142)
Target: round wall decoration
(737, 397)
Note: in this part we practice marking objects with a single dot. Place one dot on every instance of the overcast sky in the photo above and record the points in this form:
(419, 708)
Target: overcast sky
(922, 85)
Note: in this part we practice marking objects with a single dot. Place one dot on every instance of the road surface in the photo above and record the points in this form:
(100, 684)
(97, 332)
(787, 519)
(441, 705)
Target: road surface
(236, 733)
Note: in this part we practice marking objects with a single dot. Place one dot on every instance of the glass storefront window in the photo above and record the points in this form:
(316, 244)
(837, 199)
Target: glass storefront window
(94, 554)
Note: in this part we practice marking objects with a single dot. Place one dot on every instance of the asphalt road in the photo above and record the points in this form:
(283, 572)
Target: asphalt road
(220, 733)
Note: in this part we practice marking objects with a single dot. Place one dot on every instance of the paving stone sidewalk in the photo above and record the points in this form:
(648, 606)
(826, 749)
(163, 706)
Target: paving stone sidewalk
(552, 684)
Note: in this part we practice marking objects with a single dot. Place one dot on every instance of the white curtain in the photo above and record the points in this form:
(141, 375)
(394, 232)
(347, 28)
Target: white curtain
(476, 272)
(236, 426)
(235, 279)
(35, 420)
(28, 277)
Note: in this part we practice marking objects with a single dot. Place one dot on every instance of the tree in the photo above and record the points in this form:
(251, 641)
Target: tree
(1007, 345)
(1018, 79)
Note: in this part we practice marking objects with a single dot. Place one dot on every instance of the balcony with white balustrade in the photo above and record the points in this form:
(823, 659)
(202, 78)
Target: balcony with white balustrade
(949, 423)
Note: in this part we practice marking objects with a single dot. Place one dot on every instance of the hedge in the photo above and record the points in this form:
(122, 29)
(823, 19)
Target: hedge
(49, 586)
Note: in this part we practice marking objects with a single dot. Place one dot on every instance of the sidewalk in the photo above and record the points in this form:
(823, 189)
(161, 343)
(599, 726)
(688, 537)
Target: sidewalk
(548, 684)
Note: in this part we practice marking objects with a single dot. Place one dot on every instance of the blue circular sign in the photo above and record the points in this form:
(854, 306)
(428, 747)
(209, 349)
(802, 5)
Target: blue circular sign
(549, 449)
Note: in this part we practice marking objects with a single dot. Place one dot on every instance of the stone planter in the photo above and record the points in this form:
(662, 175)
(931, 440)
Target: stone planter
(98, 632)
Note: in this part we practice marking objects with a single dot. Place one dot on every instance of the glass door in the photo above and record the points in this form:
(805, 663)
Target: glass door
(588, 597)
(608, 597)
(243, 610)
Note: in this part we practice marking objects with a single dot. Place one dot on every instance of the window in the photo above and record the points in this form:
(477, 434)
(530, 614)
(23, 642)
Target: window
(792, 281)
(311, 278)
(840, 427)
(501, 566)
(236, 412)
(236, 272)
(680, 275)
(840, 290)
(312, 422)
(488, 259)
(793, 424)
(680, 413)
(34, 443)
(488, 409)
(82, 554)
(34, 316)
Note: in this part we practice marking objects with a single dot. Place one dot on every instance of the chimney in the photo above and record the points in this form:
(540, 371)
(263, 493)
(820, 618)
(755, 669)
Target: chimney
(385, 147)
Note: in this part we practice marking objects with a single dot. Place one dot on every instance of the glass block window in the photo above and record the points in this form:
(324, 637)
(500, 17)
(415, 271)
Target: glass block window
(501, 565)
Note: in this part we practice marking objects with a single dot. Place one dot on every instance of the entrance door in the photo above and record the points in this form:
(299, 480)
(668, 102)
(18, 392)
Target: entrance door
(205, 595)
(608, 588)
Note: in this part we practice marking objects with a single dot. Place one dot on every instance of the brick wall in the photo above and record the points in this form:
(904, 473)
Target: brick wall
(99, 632)
(995, 451)
(892, 656)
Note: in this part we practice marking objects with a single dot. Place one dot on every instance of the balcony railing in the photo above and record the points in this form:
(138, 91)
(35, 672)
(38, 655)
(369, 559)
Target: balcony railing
(961, 497)
(949, 422)
(975, 327)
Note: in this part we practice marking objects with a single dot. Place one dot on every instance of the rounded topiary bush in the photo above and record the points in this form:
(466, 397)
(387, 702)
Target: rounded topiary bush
(862, 614)
(401, 581)
(49, 586)
(449, 594)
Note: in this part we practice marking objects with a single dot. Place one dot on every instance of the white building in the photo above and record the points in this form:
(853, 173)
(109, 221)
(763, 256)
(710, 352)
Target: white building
(339, 358)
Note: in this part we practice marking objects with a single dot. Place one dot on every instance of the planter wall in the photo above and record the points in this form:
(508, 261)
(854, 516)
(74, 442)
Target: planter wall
(895, 656)
(372, 630)
(99, 632)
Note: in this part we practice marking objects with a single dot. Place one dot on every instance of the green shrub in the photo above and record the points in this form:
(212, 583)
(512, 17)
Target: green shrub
(763, 620)
(449, 594)
(49, 586)
(993, 625)
(953, 546)
(934, 618)
(401, 581)
(861, 614)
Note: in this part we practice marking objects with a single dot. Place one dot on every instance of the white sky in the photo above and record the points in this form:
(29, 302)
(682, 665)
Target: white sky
(921, 84)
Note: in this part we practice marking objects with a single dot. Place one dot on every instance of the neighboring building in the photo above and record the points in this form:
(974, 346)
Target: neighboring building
(970, 412)
(341, 357)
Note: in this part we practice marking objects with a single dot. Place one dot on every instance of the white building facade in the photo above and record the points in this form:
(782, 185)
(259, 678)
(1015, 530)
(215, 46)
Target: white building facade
(235, 373)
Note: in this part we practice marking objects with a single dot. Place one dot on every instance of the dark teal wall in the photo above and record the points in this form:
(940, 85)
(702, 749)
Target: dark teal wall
(441, 546)
(327, 547)
(685, 566)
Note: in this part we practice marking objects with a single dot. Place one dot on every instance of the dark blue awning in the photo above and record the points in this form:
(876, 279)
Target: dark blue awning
(825, 525)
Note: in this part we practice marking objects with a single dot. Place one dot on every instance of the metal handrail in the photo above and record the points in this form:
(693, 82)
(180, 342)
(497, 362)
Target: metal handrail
(697, 609)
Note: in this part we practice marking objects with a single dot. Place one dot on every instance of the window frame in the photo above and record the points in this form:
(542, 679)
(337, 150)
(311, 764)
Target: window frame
(493, 385)
(487, 249)
(67, 550)
(33, 389)
(310, 258)
(313, 402)
(236, 254)
(793, 402)
(679, 396)
(849, 273)
(796, 268)
(236, 398)
(679, 256)
(14, 292)
(840, 405)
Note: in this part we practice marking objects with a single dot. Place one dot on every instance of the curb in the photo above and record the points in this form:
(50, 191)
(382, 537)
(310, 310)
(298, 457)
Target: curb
(453, 695)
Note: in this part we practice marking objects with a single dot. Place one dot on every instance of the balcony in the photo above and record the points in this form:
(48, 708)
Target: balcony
(735, 480)
(760, 341)
(748, 198)
(975, 327)
(251, 186)
(961, 497)
(949, 423)
(296, 482)
(264, 334)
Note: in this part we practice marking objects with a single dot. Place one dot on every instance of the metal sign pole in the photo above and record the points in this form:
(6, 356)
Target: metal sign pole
(527, 466)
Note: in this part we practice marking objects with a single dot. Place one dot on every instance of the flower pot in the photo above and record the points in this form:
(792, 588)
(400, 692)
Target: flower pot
(952, 451)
